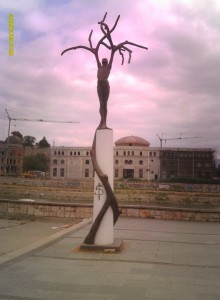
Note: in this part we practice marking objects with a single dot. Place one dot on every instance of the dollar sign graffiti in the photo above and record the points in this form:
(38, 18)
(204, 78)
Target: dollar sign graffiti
(99, 190)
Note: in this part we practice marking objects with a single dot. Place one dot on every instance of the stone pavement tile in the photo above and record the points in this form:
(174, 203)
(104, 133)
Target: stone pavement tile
(145, 269)
(94, 296)
(163, 258)
(67, 248)
(204, 296)
(16, 234)
(133, 297)
(196, 260)
(209, 277)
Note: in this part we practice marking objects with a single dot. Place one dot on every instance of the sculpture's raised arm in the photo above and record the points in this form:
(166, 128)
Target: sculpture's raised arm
(77, 47)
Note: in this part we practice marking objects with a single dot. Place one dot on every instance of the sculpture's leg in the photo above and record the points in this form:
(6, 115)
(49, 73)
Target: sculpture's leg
(103, 93)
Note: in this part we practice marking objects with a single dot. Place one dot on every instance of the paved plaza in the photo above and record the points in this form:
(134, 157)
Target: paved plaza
(167, 260)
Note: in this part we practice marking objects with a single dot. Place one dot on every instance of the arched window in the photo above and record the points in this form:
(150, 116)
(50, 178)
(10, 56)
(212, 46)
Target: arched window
(55, 162)
(140, 162)
(116, 162)
(62, 161)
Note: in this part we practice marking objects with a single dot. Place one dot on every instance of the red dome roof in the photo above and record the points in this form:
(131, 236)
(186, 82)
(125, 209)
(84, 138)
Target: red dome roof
(132, 141)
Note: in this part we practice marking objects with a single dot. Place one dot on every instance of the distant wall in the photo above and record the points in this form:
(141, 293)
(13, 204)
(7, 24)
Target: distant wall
(119, 184)
(10, 209)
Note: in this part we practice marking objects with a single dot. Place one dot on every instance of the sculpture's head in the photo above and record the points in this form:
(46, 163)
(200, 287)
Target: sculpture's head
(104, 61)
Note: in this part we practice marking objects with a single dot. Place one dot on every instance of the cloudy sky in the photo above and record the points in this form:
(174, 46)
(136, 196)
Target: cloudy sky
(170, 89)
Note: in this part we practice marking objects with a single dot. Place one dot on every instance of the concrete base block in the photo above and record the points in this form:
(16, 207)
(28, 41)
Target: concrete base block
(116, 246)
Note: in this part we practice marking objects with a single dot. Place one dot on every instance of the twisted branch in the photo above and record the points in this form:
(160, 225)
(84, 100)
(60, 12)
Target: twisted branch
(109, 202)
(107, 36)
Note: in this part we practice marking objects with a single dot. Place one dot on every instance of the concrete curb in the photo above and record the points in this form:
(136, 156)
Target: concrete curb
(9, 258)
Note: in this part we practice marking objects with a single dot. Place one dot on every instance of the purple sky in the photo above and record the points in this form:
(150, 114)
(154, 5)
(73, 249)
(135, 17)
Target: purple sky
(172, 88)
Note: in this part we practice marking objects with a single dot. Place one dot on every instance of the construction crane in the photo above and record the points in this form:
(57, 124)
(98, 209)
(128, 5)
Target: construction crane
(32, 120)
(176, 138)
(29, 120)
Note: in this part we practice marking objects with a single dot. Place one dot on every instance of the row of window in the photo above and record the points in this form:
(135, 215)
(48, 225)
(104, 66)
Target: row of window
(187, 154)
(63, 161)
(87, 173)
(198, 174)
(151, 153)
(189, 165)
(55, 172)
(11, 161)
(129, 162)
(87, 162)
(12, 153)
(62, 172)
(75, 153)
(125, 153)
(128, 153)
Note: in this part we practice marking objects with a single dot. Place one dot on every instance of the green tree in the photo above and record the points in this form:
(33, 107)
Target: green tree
(43, 143)
(29, 141)
(38, 162)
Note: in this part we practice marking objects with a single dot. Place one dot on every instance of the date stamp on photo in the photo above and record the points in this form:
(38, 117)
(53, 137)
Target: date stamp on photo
(11, 34)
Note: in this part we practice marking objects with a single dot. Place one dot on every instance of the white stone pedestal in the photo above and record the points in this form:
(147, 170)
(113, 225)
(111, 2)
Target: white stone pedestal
(104, 155)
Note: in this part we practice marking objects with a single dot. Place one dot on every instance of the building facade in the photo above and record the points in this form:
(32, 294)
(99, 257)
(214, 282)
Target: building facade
(134, 158)
(71, 162)
(11, 156)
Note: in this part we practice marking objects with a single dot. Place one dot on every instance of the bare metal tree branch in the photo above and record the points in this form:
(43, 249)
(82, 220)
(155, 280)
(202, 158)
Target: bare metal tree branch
(121, 47)
(90, 39)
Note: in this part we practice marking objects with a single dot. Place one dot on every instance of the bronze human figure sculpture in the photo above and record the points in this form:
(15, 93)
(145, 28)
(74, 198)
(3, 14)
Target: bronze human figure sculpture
(103, 90)
(104, 68)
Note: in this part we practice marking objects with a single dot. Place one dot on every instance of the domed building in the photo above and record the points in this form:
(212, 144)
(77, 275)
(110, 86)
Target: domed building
(14, 140)
(135, 159)
(132, 159)
(11, 156)
(132, 141)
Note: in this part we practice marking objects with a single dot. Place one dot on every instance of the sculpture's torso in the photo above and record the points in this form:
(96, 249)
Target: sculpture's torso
(103, 73)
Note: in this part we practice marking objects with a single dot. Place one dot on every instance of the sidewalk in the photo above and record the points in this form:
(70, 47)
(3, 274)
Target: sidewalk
(166, 260)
